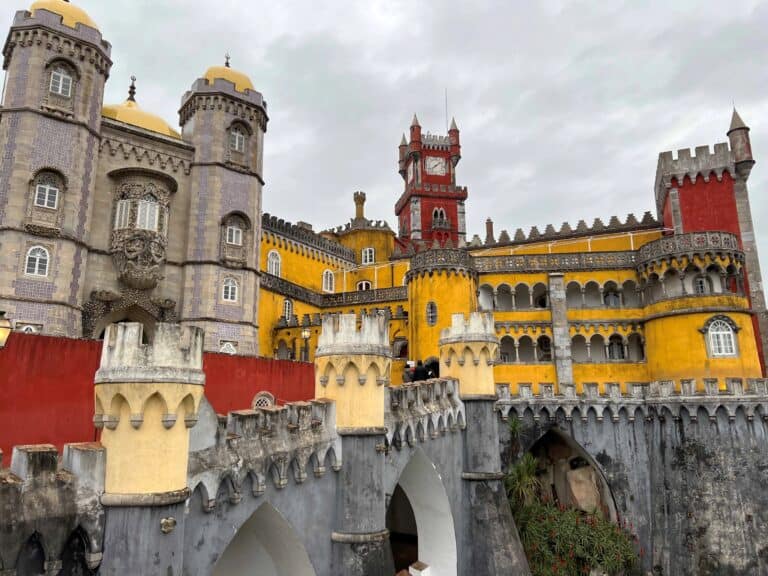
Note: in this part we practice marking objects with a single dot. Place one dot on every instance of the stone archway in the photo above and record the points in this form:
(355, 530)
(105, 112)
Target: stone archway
(419, 503)
(130, 314)
(265, 545)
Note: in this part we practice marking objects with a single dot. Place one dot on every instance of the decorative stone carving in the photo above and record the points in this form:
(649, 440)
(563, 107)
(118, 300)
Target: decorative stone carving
(139, 256)
(105, 302)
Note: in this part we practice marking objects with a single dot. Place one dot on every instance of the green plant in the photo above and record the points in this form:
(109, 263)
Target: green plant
(521, 482)
(515, 425)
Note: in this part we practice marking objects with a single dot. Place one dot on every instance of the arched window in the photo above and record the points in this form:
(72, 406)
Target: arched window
(263, 400)
(700, 285)
(329, 282)
(363, 285)
(721, 340)
(61, 82)
(234, 235)
(611, 296)
(37, 261)
(287, 309)
(544, 349)
(229, 292)
(615, 348)
(237, 140)
(273, 263)
(369, 255)
(431, 314)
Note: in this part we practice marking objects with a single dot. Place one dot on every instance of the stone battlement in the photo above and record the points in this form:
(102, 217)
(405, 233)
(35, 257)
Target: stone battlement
(479, 327)
(296, 233)
(340, 336)
(174, 355)
(657, 397)
(420, 411)
(264, 443)
(436, 141)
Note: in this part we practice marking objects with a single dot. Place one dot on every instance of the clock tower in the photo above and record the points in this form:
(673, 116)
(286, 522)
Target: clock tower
(431, 207)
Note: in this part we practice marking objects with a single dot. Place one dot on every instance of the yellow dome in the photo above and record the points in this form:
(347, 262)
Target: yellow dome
(130, 113)
(240, 80)
(70, 14)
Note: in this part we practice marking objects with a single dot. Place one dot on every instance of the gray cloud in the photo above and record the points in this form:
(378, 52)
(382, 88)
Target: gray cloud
(563, 106)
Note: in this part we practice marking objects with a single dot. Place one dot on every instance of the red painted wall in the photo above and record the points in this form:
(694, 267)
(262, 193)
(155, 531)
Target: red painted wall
(46, 387)
(708, 205)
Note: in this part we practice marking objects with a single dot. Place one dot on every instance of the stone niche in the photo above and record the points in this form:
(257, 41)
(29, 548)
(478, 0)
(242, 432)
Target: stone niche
(139, 239)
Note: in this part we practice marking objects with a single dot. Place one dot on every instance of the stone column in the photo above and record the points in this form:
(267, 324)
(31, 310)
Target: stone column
(488, 524)
(561, 336)
(147, 398)
(352, 368)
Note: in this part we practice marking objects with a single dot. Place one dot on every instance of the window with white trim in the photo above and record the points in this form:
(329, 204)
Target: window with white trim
(363, 285)
(234, 235)
(61, 82)
(228, 347)
(329, 282)
(148, 215)
(47, 196)
(229, 291)
(431, 314)
(122, 214)
(721, 339)
(263, 400)
(237, 140)
(37, 261)
(369, 255)
(287, 309)
(273, 263)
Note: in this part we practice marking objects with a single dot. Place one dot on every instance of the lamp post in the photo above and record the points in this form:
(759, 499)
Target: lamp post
(305, 334)
(5, 328)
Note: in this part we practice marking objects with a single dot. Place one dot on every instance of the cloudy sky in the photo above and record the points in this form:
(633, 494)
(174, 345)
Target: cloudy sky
(563, 106)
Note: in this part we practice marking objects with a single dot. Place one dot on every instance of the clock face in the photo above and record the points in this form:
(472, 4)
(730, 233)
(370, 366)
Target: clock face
(435, 166)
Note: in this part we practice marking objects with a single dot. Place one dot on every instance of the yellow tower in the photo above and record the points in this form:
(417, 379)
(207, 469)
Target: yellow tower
(147, 397)
(441, 282)
(352, 367)
(467, 352)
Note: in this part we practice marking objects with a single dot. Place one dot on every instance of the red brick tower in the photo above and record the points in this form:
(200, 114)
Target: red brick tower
(431, 208)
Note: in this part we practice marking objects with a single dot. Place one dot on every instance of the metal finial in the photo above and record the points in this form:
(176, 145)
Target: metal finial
(226, 59)
(132, 90)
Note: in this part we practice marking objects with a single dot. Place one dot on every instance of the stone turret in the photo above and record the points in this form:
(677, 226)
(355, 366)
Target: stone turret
(147, 398)
(467, 351)
(741, 146)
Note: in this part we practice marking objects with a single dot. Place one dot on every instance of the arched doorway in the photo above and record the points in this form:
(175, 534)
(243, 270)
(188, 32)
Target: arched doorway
(131, 314)
(419, 516)
(265, 545)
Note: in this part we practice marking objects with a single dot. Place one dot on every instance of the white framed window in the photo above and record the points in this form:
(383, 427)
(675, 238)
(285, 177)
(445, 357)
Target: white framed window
(721, 339)
(37, 261)
(273, 263)
(329, 282)
(47, 196)
(287, 309)
(61, 82)
(263, 400)
(237, 140)
(369, 255)
(29, 328)
(363, 285)
(700, 285)
(148, 215)
(234, 235)
(431, 313)
(229, 290)
(122, 214)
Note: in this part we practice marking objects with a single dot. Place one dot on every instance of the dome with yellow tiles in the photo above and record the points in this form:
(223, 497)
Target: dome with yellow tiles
(129, 112)
(70, 14)
(240, 80)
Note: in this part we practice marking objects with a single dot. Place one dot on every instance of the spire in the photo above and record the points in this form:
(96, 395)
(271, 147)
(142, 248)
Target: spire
(403, 141)
(132, 90)
(227, 58)
(453, 124)
(736, 122)
(415, 121)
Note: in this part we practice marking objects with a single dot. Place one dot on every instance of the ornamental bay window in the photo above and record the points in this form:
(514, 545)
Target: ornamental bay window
(141, 214)
(235, 239)
(46, 200)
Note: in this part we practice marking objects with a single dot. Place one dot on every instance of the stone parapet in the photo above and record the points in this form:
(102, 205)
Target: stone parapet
(340, 336)
(479, 327)
(439, 260)
(272, 444)
(689, 244)
(555, 262)
(175, 355)
(643, 399)
(291, 231)
(420, 411)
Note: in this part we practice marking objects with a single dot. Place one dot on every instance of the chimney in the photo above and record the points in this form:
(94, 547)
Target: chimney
(489, 239)
(359, 205)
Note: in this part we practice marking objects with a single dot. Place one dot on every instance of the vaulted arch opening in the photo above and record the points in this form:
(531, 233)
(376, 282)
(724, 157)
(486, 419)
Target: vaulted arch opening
(420, 521)
(265, 545)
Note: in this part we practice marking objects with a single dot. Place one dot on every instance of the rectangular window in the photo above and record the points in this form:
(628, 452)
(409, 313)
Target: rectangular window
(237, 141)
(122, 213)
(46, 196)
(147, 216)
(61, 83)
(369, 255)
(234, 236)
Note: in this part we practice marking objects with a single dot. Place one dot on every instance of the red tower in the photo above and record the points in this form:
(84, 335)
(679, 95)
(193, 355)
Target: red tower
(431, 207)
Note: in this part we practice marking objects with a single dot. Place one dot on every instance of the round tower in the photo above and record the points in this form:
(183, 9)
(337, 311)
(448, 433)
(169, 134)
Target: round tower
(440, 282)
(56, 64)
